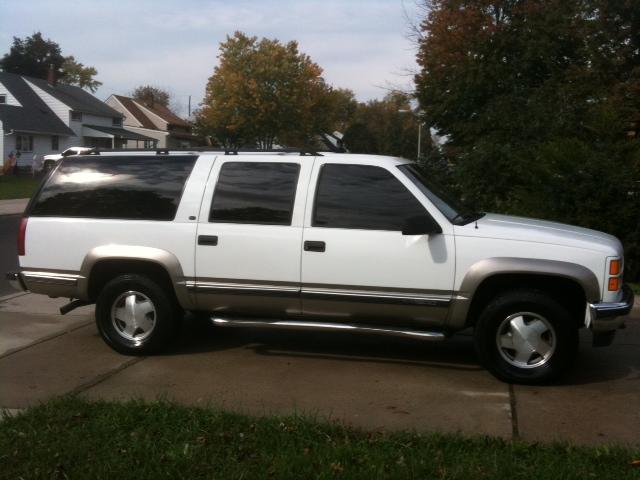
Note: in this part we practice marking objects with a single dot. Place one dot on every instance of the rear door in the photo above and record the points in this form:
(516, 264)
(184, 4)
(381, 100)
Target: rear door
(357, 266)
(250, 234)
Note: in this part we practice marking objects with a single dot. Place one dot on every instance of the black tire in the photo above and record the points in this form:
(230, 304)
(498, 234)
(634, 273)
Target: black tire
(157, 329)
(559, 342)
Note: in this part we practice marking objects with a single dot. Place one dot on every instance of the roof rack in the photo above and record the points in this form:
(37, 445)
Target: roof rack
(166, 151)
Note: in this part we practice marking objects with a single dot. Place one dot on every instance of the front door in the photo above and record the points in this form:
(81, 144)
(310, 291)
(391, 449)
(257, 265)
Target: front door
(357, 266)
(249, 236)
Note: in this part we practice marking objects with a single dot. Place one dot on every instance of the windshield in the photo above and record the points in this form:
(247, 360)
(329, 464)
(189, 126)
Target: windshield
(453, 209)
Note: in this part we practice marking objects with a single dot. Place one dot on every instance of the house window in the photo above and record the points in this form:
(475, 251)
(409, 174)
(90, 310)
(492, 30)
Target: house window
(24, 143)
(55, 143)
(76, 116)
(148, 144)
(3, 98)
(117, 122)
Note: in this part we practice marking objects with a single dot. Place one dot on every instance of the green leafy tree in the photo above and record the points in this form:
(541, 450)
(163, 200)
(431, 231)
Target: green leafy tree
(265, 92)
(537, 99)
(151, 96)
(386, 127)
(34, 56)
(75, 73)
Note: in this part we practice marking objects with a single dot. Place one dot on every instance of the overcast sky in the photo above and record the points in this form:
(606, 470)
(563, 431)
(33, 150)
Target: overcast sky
(361, 45)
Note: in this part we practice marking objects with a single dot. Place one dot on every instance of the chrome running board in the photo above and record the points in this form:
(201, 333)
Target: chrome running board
(343, 327)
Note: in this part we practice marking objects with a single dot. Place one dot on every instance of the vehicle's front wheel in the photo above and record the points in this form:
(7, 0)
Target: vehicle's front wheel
(136, 316)
(526, 336)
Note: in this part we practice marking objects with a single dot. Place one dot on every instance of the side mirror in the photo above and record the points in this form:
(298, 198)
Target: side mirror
(422, 225)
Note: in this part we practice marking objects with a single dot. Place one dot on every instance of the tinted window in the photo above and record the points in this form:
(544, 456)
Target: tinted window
(259, 193)
(438, 197)
(364, 197)
(115, 187)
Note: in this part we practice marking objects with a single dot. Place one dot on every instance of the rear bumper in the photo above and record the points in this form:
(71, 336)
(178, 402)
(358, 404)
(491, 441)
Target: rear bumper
(15, 280)
(609, 316)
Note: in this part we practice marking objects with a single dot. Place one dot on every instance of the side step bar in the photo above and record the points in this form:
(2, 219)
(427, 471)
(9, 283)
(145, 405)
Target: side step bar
(343, 327)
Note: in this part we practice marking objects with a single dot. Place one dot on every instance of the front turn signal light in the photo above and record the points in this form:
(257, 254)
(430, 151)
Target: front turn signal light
(615, 267)
(614, 284)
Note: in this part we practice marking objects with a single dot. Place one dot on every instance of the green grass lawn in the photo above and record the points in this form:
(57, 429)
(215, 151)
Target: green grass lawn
(71, 438)
(635, 287)
(17, 186)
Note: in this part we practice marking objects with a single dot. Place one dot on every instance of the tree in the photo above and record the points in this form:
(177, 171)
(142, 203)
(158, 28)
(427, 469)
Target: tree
(35, 56)
(536, 99)
(75, 73)
(151, 96)
(263, 92)
(341, 109)
(386, 127)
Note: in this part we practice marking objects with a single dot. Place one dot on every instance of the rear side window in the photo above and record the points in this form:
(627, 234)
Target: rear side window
(130, 188)
(363, 197)
(257, 193)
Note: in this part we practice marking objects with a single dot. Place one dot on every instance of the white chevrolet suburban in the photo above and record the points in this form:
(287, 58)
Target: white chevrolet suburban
(340, 242)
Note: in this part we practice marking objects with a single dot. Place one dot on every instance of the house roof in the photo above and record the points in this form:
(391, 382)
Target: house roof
(138, 114)
(34, 116)
(168, 116)
(76, 98)
(118, 132)
(134, 107)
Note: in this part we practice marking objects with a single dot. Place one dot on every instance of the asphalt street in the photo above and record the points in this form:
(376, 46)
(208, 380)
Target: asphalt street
(8, 249)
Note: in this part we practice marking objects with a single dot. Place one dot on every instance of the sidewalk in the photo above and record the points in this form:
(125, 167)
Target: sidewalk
(375, 384)
(14, 206)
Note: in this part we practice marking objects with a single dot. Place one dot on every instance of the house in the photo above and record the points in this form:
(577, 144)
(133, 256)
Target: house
(27, 125)
(42, 116)
(155, 121)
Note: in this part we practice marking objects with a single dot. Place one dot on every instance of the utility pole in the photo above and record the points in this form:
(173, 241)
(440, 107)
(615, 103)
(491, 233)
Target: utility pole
(189, 115)
(419, 138)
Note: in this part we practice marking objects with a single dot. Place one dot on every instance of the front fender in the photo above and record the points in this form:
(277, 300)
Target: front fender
(489, 267)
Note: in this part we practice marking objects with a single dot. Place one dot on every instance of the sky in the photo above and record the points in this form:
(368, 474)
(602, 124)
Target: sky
(361, 45)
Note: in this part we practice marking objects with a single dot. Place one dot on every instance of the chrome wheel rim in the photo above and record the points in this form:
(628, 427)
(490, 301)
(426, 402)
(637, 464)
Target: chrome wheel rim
(526, 340)
(133, 316)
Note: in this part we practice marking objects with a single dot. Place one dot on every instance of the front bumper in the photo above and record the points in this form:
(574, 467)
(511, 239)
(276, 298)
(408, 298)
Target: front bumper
(606, 317)
(15, 280)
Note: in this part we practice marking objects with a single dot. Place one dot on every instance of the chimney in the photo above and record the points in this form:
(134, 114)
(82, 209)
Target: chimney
(51, 76)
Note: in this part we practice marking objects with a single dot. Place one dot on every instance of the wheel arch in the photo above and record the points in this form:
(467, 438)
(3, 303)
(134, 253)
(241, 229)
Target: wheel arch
(103, 262)
(488, 277)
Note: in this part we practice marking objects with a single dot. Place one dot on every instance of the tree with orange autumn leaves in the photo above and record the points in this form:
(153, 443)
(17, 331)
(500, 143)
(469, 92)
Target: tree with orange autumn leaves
(264, 92)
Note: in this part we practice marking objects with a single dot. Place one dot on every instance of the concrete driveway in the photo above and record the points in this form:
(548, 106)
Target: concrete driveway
(368, 382)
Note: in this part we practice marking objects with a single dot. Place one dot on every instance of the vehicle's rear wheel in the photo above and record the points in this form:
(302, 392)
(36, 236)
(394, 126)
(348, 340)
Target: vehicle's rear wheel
(136, 316)
(526, 336)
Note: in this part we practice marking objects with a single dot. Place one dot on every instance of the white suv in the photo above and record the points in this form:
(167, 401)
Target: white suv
(339, 242)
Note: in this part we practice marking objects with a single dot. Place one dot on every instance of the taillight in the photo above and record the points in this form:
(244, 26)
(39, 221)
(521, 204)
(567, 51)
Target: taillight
(22, 235)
